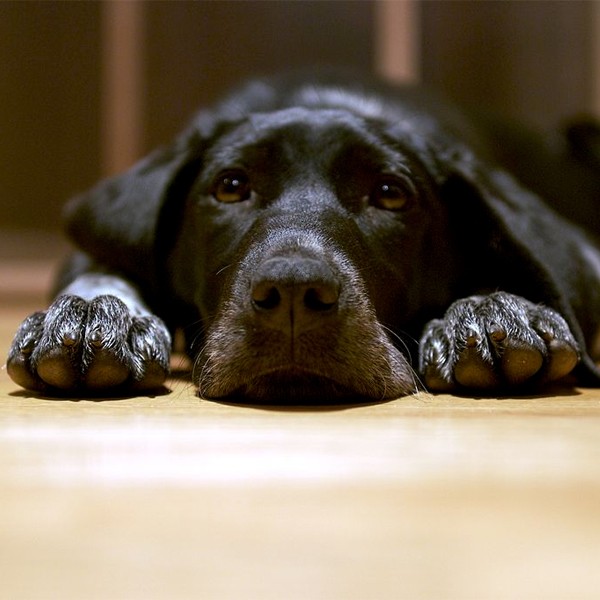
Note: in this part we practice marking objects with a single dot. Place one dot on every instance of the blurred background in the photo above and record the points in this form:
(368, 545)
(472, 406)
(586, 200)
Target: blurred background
(89, 87)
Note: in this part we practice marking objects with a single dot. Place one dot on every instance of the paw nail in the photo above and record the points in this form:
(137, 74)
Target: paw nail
(546, 336)
(97, 339)
(472, 339)
(27, 346)
(69, 339)
(498, 334)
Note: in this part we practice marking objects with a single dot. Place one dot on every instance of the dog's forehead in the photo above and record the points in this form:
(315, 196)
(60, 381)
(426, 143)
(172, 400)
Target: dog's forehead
(300, 125)
(296, 134)
(312, 118)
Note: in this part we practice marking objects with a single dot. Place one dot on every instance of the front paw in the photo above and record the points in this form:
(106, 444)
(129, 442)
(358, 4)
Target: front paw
(89, 346)
(494, 342)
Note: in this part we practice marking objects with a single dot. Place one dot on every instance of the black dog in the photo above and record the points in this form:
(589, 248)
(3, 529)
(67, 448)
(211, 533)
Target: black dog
(312, 239)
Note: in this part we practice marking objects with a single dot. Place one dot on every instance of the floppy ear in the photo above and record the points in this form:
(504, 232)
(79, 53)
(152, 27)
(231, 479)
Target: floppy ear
(117, 222)
(539, 254)
(124, 222)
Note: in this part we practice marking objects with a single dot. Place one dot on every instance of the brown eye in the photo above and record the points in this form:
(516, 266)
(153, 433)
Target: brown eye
(392, 194)
(233, 186)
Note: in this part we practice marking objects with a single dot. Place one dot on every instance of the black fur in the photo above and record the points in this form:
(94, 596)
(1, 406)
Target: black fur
(320, 240)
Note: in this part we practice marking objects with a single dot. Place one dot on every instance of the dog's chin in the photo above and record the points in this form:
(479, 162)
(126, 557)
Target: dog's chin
(294, 387)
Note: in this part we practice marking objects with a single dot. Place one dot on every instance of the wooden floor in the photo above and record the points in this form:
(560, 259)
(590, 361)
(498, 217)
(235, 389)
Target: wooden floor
(174, 497)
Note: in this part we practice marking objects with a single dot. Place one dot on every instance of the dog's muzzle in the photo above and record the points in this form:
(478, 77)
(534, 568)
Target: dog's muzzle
(297, 325)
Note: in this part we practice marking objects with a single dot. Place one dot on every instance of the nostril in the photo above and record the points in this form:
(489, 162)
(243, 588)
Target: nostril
(293, 291)
(266, 296)
(320, 298)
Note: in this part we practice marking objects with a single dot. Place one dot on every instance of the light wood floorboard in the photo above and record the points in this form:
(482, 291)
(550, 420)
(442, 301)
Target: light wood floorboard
(432, 497)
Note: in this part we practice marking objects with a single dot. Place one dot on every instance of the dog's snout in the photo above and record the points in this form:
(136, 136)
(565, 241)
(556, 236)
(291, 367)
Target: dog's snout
(293, 294)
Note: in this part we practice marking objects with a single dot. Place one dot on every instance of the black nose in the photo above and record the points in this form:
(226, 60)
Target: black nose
(294, 294)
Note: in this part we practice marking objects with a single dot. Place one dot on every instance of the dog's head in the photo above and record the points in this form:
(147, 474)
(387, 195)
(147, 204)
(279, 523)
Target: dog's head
(308, 232)
(308, 241)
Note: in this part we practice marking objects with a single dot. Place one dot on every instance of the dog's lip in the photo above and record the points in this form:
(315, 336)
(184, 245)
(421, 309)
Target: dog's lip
(294, 385)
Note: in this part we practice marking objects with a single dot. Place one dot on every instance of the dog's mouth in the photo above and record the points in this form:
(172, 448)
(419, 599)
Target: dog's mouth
(294, 386)
(298, 327)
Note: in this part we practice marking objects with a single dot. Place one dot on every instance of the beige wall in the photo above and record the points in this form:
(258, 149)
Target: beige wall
(49, 120)
(201, 48)
(54, 116)
(534, 60)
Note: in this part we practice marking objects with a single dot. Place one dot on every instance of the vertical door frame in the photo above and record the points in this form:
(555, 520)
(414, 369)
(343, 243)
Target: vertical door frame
(397, 40)
(122, 83)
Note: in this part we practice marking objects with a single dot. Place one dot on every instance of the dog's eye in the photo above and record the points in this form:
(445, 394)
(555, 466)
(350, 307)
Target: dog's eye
(233, 186)
(392, 194)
